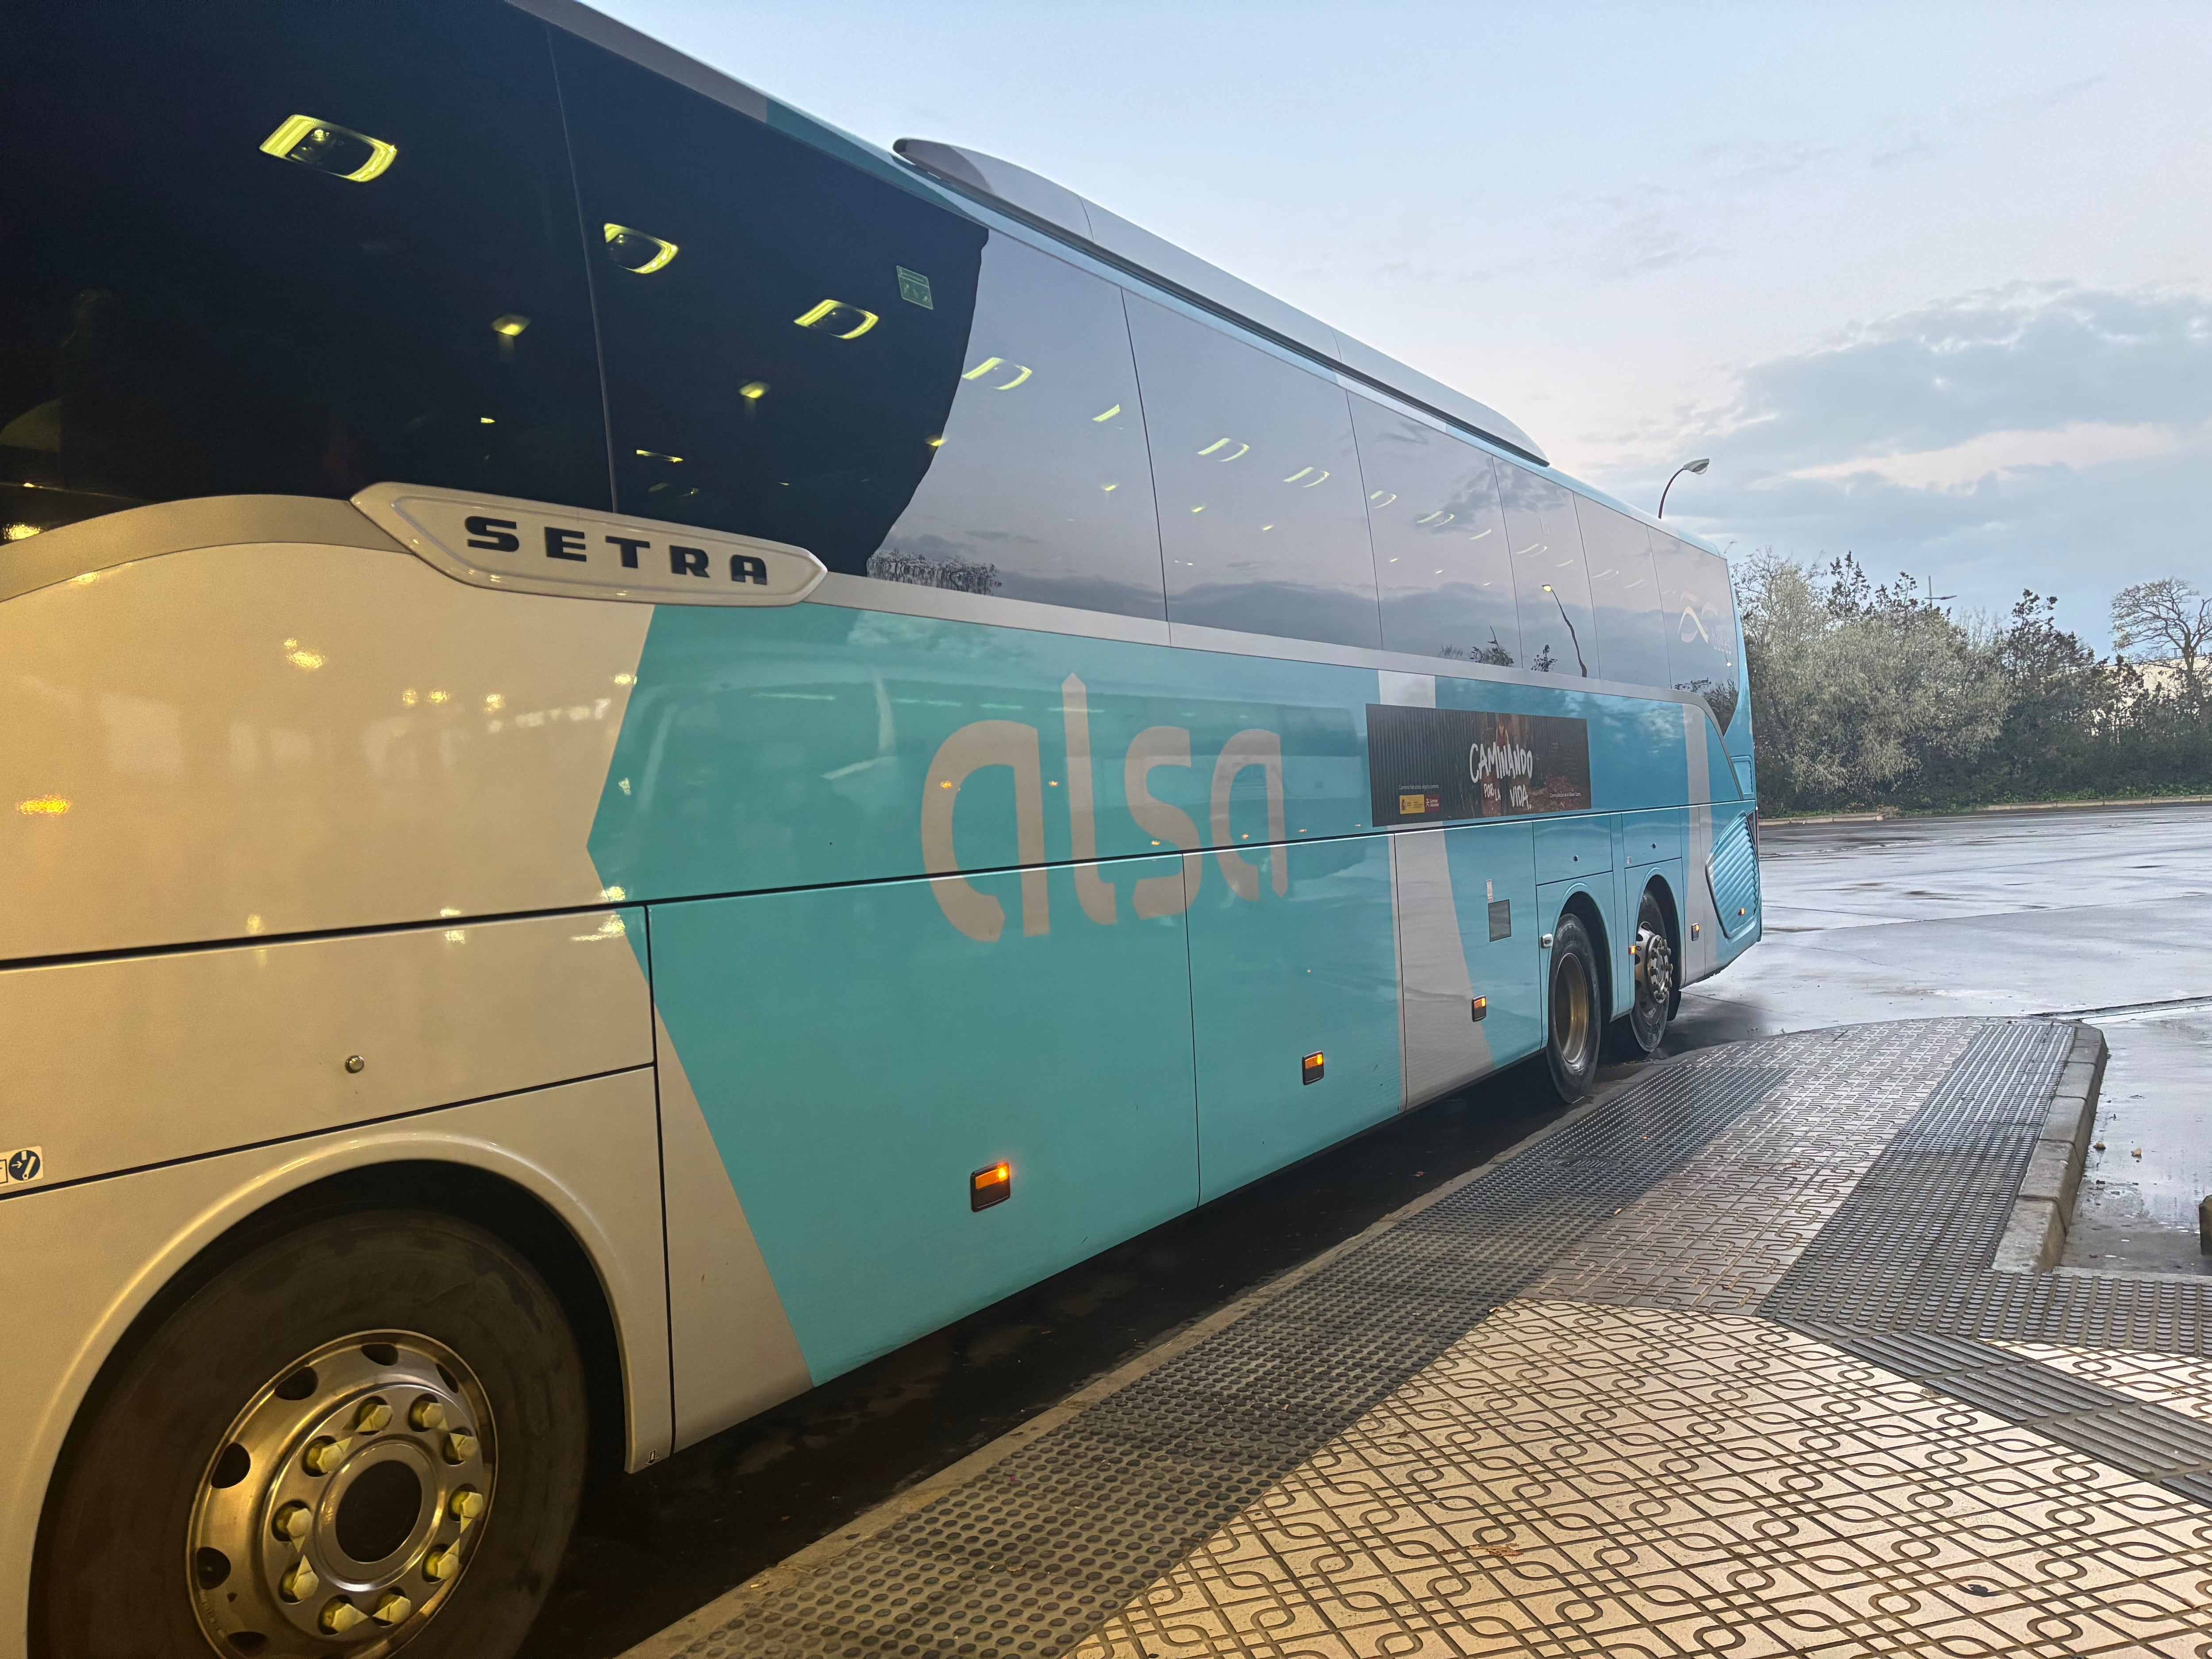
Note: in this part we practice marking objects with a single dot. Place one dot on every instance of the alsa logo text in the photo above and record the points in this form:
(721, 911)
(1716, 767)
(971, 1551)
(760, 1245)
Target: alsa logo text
(1019, 747)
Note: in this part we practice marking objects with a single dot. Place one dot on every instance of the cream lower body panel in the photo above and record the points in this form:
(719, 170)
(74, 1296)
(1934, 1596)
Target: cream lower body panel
(587, 1150)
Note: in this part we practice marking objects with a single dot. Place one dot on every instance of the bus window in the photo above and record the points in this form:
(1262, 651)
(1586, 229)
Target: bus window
(1441, 567)
(782, 333)
(288, 250)
(1261, 524)
(1632, 640)
(1700, 616)
(1550, 591)
(1041, 489)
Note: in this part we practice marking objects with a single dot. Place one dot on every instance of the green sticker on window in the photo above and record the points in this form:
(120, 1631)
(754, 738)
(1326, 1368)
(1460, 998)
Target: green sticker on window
(914, 288)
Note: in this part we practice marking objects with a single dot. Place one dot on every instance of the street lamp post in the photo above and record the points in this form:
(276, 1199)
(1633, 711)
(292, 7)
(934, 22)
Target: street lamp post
(1698, 465)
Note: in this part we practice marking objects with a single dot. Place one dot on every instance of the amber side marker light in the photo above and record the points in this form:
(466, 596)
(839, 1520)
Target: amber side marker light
(993, 1186)
(1309, 1068)
(1479, 1008)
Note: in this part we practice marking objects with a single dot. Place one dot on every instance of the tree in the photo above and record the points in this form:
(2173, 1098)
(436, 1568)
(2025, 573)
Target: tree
(2168, 621)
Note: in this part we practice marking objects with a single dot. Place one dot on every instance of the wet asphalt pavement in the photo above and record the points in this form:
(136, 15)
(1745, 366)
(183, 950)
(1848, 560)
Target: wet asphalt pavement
(2033, 912)
(2103, 913)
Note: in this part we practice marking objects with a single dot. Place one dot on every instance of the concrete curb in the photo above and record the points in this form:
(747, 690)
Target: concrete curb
(2035, 1237)
(671, 1641)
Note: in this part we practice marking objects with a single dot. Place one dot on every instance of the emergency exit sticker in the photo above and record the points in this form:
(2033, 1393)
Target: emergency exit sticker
(23, 1165)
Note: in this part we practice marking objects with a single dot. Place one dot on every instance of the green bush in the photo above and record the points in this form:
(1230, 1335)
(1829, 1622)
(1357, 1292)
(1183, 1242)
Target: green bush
(1866, 695)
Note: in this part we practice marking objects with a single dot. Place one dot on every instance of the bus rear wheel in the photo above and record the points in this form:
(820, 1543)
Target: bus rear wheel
(364, 1434)
(1577, 1021)
(1644, 1026)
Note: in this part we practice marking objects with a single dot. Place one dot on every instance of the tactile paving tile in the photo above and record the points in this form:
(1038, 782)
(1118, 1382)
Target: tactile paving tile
(2157, 1379)
(1911, 1248)
(1719, 1232)
(1132, 1503)
(1578, 1479)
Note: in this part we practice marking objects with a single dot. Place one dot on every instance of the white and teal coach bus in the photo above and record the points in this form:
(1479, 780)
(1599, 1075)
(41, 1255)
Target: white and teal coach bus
(647, 751)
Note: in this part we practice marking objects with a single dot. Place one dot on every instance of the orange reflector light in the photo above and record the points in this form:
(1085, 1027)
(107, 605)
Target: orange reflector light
(1309, 1068)
(993, 1186)
(1479, 1008)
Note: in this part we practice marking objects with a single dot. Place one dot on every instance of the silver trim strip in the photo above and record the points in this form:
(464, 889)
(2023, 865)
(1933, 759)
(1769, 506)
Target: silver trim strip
(897, 598)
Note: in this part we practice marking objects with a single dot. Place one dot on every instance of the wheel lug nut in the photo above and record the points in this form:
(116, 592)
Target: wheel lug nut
(373, 1416)
(340, 1616)
(466, 1505)
(292, 1522)
(299, 1582)
(441, 1564)
(428, 1413)
(322, 1454)
(392, 1609)
(460, 1446)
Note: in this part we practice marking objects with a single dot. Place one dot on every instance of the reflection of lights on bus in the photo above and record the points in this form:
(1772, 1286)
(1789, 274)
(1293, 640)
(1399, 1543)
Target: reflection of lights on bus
(1107, 416)
(328, 148)
(1224, 443)
(510, 325)
(636, 251)
(837, 317)
(753, 391)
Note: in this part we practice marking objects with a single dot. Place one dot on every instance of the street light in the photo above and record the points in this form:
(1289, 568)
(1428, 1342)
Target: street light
(1698, 465)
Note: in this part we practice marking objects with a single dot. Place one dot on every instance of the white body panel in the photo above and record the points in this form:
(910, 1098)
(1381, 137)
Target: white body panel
(586, 1149)
(119, 1064)
(246, 745)
(734, 1351)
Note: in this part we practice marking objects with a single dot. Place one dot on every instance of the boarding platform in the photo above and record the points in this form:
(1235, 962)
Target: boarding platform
(1761, 1354)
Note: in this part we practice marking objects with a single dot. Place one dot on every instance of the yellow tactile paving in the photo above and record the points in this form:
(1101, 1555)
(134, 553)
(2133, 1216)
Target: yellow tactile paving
(1574, 1478)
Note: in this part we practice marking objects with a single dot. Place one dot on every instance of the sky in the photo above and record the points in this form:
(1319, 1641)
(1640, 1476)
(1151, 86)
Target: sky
(1929, 284)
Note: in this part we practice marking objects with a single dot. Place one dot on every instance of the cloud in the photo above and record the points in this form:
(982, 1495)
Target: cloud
(2050, 435)
(1641, 231)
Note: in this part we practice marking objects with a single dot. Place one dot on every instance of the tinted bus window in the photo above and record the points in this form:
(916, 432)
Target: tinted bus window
(1700, 615)
(1441, 569)
(1550, 590)
(1632, 640)
(1040, 489)
(1261, 522)
(288, 249)
(782, 333)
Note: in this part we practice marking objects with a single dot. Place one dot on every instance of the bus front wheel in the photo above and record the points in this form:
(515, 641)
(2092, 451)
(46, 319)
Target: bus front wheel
(366, 1433)
(1577, 1021)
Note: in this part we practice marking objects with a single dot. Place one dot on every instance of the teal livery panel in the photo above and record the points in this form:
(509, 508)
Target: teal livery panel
(927, 896)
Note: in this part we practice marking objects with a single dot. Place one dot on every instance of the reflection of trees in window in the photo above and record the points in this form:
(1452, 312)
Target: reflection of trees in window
(1494, 654)
(947, 570)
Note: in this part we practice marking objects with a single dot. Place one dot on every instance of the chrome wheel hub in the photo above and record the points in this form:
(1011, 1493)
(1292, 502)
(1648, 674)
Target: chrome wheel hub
(340, 1510)
(1655, 971)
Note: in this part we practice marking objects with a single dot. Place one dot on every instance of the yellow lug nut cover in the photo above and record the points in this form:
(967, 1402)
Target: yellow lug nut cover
(392, 1609)
(340, 1616)
(293, 1521)
(441, 1564)
(467, 1503)
(460, 1446)
(373, 1416)
(428, 1413)
(322, 1454)
(299, 1582)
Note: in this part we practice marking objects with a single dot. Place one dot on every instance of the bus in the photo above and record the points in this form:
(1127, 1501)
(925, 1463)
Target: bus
(649, 750)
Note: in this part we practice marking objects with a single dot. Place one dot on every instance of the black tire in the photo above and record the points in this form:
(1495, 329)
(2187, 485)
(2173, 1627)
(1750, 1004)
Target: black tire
(1574, 1012)
(1639, 1032)
(114, 1579)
